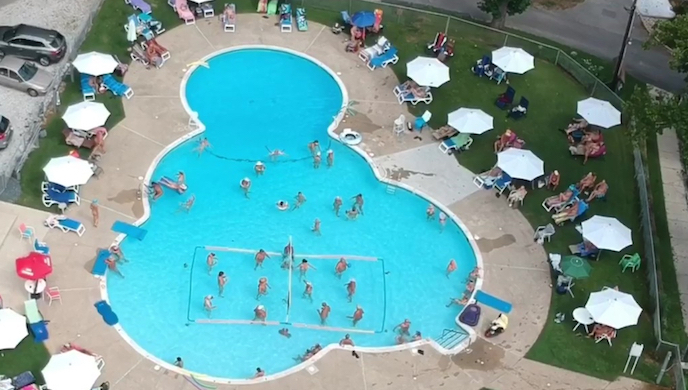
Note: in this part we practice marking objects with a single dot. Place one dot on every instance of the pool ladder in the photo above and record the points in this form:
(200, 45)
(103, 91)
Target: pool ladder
(391, 189)
(451, 338)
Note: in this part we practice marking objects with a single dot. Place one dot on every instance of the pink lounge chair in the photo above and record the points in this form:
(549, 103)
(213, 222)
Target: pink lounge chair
(184, 12)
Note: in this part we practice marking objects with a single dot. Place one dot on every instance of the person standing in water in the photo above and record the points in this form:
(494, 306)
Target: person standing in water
(260, 313)
(404, 327)
(346, 341)
(451, 267)
(340, 267)
(259, 168)
(358, 315)
(95, 212)
(300, 200)
(337, 205)
(314, 147)
(351, 289)
(203, 144)
(324, 312)
(358, 203)
(443, 221)
(260, 257)
(316, 227)
(246, 186)
(221, 282)
(211, 261)
(308, 291)
(304, 267)
(208, 305)
(317, 159)
(263, 287)
(430, 212)
(330, 158)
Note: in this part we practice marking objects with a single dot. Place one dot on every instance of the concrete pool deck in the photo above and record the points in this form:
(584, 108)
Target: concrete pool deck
(155, 118)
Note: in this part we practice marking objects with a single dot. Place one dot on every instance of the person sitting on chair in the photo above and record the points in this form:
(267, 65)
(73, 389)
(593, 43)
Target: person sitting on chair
(576, 125)
(553, 180)
(505, 140)
(588, 181)
(516, 196)
(569, 213)
(599, 192)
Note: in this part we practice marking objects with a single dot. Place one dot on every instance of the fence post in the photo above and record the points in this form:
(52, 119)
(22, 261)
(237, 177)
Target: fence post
(594, 86)
(556, 60)
(350, 5)
(446, 27)
(506, 38)
(664, 367)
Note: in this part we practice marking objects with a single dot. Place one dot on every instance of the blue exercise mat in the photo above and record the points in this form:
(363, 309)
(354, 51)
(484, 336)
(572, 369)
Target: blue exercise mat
(99, 267)
(493, 302)
(129, 229)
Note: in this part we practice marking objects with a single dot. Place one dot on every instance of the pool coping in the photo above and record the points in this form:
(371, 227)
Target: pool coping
(197, 127)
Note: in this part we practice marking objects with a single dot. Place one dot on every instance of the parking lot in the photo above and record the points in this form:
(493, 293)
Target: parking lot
(69, 18)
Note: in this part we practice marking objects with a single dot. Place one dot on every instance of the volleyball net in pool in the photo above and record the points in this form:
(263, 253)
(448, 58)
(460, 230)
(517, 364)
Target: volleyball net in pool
(286, 302)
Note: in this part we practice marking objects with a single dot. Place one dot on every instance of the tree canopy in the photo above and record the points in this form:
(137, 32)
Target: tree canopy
(499, 9)
(673, 34)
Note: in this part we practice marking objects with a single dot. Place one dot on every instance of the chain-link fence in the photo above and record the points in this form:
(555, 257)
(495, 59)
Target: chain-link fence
(422, 20)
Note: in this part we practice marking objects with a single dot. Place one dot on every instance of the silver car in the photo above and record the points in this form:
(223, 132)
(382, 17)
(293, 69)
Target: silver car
(24, 76)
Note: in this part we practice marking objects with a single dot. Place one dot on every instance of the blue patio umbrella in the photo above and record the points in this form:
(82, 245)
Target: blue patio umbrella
(363, 19)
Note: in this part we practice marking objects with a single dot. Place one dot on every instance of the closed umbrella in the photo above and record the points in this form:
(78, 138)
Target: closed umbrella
(470, 120)
(35, 266)
(71, 370)
(131, 30)
(86, 115)
(613, 308)
(607, 233)
(520, 164)
(599, 112)
(12, 329)
(95, 64)
(68, 171)
(575, 267)
(428, 72)
(513, 60)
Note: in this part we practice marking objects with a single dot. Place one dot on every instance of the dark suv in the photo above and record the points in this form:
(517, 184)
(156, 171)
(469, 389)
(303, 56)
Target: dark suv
(32, 43)
(5, 132)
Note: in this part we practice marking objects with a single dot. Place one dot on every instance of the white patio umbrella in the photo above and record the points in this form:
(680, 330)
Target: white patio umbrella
(86, 115)
(520, 164)
(513, 60)
(470, 120)
(607, 233)
(12, 329)
(68, 171)
(71, 370)
(599, 112)
(95, 64)
(428, 72)
(613, 308)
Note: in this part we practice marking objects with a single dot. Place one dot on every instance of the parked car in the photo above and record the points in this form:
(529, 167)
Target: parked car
(32, 43)
(5, 132)
(24, 76)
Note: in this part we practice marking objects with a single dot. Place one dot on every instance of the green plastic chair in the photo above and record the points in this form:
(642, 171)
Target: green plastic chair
(630, 261)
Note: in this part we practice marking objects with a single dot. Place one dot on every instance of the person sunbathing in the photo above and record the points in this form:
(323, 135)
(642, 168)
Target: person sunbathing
(504, 140)
(73, 347)
(570, 213)
(599, 192)
(418, 91)
(517, 196)
(576, 125)
(587, 249)
(600, 330)
(228, 14)
(490, 177)
(593, 150)
(553, 180)
(588, 181)
(153, 56)
(97, 84)
(592, 136)
(562, 198)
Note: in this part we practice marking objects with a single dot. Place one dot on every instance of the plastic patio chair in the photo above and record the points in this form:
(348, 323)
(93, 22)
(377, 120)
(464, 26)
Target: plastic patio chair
(52, 294)
(630, 261)
(26, 232)
(543, 233)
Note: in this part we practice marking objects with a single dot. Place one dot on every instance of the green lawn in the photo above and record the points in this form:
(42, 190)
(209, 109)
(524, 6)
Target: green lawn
(28, 356)
(552, 95)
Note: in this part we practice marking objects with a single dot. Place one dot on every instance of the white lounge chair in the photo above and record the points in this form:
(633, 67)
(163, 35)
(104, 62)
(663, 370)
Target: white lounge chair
(381, 46)
(410, 97)
(65, 224)
(228, 18)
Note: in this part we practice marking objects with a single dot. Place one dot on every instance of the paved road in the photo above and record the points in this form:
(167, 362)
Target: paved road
(595, 27)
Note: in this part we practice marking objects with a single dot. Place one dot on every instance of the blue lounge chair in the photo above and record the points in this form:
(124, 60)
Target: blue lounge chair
(57, 188)
(502, 183)
(65, 224)
(117, 88)
(285, 17)
(149, 21)
(141, 28)
(301, 21)
(507, 98)
(386, 58)
(410, 97)
(36, 321)
(51, 197)
(86, 89)
(41, 247)
(100, 266)
(456, 143)
(519, 111)
(346, 18)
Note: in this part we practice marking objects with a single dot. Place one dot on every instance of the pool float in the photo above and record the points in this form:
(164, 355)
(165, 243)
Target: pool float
(350, 137)
(245, 183)
(282, 205)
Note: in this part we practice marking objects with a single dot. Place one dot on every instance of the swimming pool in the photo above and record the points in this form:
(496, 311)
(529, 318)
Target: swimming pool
(252, 100)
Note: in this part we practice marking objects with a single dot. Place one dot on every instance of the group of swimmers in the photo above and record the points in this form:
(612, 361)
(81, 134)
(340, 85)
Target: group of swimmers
(116, 257)
(430, 214)
(469, 287)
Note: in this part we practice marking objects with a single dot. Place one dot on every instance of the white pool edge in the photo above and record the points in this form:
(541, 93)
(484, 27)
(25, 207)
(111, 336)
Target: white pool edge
(379, 174)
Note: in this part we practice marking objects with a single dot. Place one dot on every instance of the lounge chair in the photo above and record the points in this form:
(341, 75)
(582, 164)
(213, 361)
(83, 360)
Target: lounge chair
(579, 249)
(486, 179)
(498, 75)
(301, 21)
(410, 97)
(445, 132)
(479, 68)
(138, 54)
(149, 21)
(117, 88)
(447, 51)
(262, 7)
(139, 5)
(582, 208)
(65, 224)
(422, 120)
(229, 18)
(519, 111)
(273, 7)
(553, 203)
(285, 18)
(184, 12)
(36, 321)
(381, 46)
(456, 143)
(437, 44)
(86, 89)
(45, 186)
(51, 198)
(159, 51)
(507, 98)
(141, 28)
(386, 58)
(502, 183)
(543, 233)
(346, 18)
(40, 247)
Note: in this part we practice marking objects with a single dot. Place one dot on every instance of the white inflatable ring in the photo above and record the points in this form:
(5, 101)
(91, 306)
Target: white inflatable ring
(283, 207)
(350, 137)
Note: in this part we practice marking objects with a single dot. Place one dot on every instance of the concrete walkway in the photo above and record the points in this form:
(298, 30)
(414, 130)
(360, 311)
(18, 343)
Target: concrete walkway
(676, 209)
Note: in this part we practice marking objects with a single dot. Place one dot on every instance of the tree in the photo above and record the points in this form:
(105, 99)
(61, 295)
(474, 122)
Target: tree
(673, 34)
(648, 115)
(499, 9)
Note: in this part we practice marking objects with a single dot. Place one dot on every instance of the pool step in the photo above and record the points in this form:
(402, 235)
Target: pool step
(451, 338)
(391, 189)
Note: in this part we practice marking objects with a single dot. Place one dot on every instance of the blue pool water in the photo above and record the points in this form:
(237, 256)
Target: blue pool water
(252, 100)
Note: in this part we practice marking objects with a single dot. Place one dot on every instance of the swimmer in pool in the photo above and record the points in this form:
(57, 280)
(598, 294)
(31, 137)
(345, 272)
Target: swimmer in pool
(337, 205)
(400, 339)
(260, 257)
(443, 221)
(314, 147)
(417, 336)
(304, 267)
(203, 144)
(404, 327)
(324, 312)
(116, 251)
(308, 291)
(353, 213)
(330, 158)
(358, 203)
(300, 200)
(181, 179)
(208, 305)
(316, 227)
(259, 373)
(285, 332)
(351, 289)
(340, 267)
(458, 301)
(357, 316)
(317, 159)
(451, 267)
(288, 251)
(246, 186)
(260, 313)
(157, 190)
(346, 341)
(470, 286)
(282, 205)
(263, 287)
(186, 206)
(475, 274)
(259, 168)
(112, 266)
(211, 261)
(276, 154)
(221, 281)
(430, 212)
